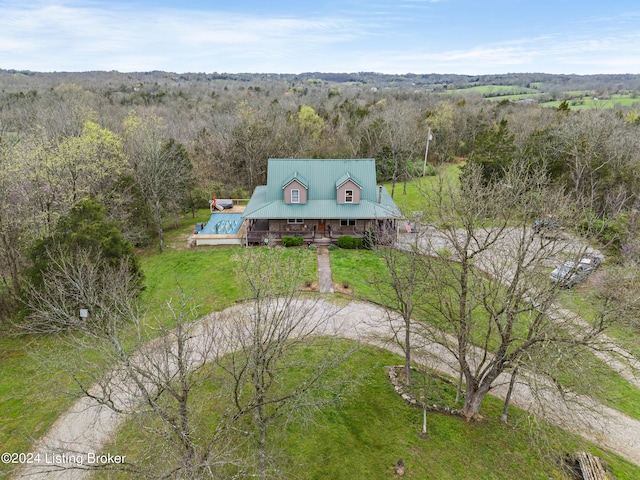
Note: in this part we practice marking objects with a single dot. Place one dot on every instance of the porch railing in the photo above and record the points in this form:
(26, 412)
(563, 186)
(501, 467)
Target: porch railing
(259, 235)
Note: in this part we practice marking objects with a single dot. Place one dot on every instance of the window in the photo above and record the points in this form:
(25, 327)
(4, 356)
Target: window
(295, 195)
(295, 221)
(348, 222)
(348, 196)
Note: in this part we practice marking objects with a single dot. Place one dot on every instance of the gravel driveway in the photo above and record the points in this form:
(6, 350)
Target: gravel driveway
(86, 427)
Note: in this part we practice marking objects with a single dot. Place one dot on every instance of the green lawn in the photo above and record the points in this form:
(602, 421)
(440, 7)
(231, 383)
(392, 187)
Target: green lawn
(374, 428)
(371, 427)
(36, 388)
(414, 199)
(207, 274)
(602, 383)
(32, 391)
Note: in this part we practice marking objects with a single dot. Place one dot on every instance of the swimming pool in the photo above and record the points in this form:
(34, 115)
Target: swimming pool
(222, 224)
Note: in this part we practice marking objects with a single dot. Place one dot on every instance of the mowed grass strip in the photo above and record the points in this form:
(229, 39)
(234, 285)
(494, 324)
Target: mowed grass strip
(585, 302)
(32, 393)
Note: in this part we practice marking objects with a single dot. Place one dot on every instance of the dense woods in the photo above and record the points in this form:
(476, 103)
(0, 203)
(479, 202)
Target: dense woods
(148, 146)
(95, 166)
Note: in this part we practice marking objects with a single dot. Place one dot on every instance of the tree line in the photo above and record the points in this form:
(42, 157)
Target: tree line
(88, 171)
(150, 146)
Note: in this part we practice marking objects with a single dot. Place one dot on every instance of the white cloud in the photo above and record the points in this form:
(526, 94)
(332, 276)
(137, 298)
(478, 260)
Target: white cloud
(43, 36)
(75, 35)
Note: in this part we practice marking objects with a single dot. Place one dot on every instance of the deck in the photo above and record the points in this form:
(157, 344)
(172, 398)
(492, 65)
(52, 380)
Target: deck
(260, 232)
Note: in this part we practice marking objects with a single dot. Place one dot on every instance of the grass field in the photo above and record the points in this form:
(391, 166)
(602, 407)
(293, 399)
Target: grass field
(491, 91)
(604, 383)
(590, 102)
(371, 427)
(414, 199)
(577, 99)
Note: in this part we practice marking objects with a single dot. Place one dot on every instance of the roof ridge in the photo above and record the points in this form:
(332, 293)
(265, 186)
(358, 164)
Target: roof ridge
(264, 205)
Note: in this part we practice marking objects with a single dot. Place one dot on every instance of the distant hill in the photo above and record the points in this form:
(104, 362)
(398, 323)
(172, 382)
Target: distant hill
(542, 82)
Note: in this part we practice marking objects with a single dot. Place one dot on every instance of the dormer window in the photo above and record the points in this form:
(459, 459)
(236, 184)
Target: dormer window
(295, 189)
(348, 196)
(348, 190)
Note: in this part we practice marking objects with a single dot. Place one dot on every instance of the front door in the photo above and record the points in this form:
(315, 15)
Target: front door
(322, 226)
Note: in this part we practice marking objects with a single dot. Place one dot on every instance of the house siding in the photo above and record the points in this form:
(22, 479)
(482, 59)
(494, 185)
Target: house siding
(322, 185)
(292, 186)
(360, 226)
(349, 185)
(284, 226)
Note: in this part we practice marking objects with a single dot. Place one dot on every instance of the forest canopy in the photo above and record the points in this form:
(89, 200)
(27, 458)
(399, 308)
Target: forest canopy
(67, 137)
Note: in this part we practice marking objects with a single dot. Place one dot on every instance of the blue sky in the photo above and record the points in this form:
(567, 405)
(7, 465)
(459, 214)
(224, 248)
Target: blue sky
(284, 36)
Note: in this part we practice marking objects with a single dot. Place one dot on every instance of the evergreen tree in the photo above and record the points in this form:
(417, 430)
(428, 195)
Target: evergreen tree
(493, 151)
(84, 228)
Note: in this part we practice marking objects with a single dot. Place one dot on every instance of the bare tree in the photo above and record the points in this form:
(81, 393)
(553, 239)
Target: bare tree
(400, 288)
(490, 295)
(400, 142)
(161, 374)
(83, 280)
(263, 341)
(160, 166)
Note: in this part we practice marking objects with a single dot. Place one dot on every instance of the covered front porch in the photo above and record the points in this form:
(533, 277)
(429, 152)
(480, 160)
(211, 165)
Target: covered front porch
(319, 231)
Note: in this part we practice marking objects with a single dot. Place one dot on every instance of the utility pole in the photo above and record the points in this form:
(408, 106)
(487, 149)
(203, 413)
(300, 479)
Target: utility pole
(426, 152)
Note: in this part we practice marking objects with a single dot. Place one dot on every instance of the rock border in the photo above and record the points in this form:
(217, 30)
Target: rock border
(392, 372)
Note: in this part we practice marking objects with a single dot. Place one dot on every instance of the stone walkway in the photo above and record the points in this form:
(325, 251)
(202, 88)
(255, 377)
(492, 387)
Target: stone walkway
(325, 279)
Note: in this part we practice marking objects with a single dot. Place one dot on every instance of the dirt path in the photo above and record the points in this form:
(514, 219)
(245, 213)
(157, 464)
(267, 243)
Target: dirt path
(618, 359)
(87, 426)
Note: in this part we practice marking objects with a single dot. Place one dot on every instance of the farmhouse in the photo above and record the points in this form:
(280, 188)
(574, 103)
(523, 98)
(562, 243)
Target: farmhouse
(320, 200)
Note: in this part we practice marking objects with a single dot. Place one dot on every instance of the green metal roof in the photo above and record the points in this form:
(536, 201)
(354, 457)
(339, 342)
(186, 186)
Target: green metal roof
(299, 178)
(322, 175)
(267, 201)
(345, 178)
